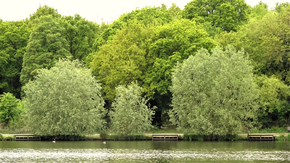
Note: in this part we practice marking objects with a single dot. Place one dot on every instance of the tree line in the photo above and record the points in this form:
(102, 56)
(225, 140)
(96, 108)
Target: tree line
(213, 68)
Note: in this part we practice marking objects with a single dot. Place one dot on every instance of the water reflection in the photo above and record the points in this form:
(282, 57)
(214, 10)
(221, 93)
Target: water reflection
(144, 151)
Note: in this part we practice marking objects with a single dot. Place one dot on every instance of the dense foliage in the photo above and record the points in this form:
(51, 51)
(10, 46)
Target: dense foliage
(172, 43)
(123, 59)
(10, 109)
(144, 46)
(80, 35)
(214, 93)
(225, 14)
(13, 41)
(46, 45)
(130, 114)
(64, 100)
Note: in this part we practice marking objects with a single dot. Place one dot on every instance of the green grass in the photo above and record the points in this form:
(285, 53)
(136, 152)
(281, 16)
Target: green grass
(271, 130)
(15, 131)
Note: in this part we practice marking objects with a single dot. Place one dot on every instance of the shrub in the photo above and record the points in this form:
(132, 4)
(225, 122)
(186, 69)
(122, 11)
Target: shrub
(280, 138)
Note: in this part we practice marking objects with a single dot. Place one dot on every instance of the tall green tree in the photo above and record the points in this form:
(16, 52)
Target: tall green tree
(226, 14)
(172, 43)
(130, 114)
(123, 59)
(214, 93)
(46, 45)
(13, 41)
(281, 7)
(174, 10)
(65, 100)
(10, 109)
(103, 26)
(267, 43)
(148, 16)
(274, 101)
(80, 35)
(259, 10)
(145, 16)
(34, 19)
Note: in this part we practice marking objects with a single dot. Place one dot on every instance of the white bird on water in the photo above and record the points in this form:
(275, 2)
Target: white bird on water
(104, 142)
(54, 140)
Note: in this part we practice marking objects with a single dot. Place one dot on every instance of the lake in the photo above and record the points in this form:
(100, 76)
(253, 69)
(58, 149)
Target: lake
(144, 151)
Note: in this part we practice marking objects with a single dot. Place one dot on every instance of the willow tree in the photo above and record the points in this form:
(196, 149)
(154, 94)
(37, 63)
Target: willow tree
(214, 93)
(64, 100)
(130, 114)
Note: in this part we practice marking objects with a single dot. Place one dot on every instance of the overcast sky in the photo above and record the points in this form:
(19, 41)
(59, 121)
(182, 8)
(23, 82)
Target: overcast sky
(93, 10)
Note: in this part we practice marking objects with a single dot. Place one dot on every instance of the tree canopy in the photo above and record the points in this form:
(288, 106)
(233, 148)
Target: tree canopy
(273, 101)
(259, 10)
(34, 19)
(80, 35)
(13, 41)
(64, 100)
(214, 93)
(122, 60)
(145, 16)
(267, 43)
(226, 14)
(173, 43)
(46, 45)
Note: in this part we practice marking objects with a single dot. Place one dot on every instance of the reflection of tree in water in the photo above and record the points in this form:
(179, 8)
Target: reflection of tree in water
(164, 145)
(161, 160)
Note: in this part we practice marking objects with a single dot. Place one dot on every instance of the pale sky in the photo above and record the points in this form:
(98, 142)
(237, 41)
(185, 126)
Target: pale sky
(92, 10)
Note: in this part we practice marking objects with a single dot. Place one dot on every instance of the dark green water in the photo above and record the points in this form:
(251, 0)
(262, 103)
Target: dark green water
(144, 151)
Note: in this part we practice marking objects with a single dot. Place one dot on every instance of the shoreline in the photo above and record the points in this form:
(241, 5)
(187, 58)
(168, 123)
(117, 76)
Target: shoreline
(148, 137)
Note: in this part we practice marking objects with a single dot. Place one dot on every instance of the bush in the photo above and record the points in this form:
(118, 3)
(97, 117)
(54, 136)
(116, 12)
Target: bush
(1, 137)
(280, 138)
(10, 109)
(104, 134)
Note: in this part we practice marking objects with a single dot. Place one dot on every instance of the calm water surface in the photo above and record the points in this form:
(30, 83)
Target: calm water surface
(144, 151)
